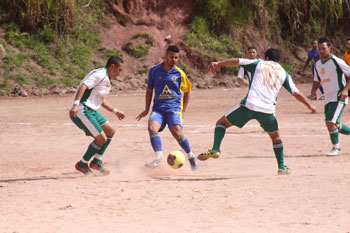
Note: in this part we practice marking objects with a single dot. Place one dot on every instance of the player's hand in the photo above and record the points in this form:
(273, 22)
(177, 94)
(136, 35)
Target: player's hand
(214, 67)
(74, 111)
(120, 115)
(142, 114)
(343, 94)
(313, 109)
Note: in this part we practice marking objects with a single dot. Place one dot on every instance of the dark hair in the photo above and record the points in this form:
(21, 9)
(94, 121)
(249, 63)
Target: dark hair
(324, 40)
(114, 60)
(251, 47)
(347, 39)
(273, 54)
(173, 48)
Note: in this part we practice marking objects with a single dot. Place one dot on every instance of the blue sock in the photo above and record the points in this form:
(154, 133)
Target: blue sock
(184, 144)
(156, 142)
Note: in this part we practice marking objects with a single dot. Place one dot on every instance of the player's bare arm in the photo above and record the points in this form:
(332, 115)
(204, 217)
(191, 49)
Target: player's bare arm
(149, 94)
(215, 66)
(185, 103)
(314, 88)
(302, 99)
(109, 107)
(344, 93)
(74, 110)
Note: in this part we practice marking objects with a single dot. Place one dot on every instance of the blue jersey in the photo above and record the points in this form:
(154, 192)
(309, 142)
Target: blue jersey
(168, 87)
(313, 56)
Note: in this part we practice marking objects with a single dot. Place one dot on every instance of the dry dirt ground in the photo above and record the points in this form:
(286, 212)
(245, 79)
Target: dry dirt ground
(240, 192)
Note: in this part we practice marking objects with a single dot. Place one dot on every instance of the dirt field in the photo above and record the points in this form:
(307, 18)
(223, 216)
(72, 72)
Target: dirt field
(42, 193)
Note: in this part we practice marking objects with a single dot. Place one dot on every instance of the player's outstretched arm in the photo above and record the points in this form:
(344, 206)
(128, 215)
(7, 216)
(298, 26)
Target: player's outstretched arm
(149, 94)
(215, 66)
(109, 107)
(301, 98)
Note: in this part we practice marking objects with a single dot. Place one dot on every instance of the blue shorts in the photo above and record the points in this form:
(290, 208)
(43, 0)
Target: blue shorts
(170, 118)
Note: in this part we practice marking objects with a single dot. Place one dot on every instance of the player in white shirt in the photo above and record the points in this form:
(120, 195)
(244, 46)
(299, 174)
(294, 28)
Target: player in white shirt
(334, 75)
(89, 97)
(252, 54)
(268, 77)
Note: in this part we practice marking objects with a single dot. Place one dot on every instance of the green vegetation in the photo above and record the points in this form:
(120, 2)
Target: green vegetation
(56, 38)
(139, 45)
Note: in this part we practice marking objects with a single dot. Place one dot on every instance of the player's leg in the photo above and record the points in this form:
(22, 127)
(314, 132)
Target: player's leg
(96, 163)
(87, 121)
(155, 123)
(237, 116)
(175, 122)
(269, 123)
(333, 111)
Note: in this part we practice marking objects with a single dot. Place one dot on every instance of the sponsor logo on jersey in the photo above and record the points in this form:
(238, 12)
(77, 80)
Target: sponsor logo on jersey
(166, 93)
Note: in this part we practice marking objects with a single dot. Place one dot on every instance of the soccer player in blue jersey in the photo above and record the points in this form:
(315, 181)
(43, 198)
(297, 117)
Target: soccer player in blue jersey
(313, 56)
(89, 97)
(171, 96)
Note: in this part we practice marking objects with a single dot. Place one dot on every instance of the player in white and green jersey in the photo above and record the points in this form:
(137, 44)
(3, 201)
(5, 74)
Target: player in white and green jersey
(267, 79)
(242, 73)
(89, 97)
(334, 75)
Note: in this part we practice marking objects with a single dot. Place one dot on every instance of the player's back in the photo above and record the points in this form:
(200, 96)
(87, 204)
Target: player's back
(268, 77)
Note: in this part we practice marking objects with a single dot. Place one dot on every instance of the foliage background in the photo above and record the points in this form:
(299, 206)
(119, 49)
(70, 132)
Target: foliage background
(50, 43)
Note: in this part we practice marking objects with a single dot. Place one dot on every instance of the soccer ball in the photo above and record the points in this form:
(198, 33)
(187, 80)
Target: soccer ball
(176, 159)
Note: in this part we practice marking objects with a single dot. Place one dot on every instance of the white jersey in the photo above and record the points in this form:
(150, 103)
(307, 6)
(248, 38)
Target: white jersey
(242, 72)
(99, 86)
(267, 79)
(331, 75)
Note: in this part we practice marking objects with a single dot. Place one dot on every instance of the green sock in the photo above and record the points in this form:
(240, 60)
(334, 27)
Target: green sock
(219, 134)
(91, 151)
(334, 135)
(99, 154)
(278, 149)
(343, 129)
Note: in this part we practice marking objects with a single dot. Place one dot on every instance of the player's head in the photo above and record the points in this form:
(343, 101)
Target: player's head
(314, 44)
(172, 55)
(252, 53)
(273, 55)
(114, 66)
(347, 44)
(324, 48)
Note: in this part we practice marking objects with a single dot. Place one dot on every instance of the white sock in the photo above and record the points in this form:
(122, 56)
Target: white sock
(190, 155)
(159, 154)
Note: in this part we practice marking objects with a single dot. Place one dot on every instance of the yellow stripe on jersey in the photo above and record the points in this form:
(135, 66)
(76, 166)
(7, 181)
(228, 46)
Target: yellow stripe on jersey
(185, 83)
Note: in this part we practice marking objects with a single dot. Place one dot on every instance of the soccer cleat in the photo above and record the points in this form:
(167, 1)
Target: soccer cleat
(285, 171)
(334, 152)
(99, 167)
(210, 153)
(194, 164)
(155, 163)
(84, 169)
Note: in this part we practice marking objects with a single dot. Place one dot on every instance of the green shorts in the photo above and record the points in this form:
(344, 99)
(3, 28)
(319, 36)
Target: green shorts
(89, 120)
(333, 111)
(240, 115)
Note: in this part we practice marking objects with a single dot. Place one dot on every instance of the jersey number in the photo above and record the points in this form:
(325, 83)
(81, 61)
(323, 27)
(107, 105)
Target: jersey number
(270, 77)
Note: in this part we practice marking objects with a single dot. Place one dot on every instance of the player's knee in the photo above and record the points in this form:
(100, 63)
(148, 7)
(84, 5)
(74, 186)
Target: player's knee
(152, 129)
(101, 139)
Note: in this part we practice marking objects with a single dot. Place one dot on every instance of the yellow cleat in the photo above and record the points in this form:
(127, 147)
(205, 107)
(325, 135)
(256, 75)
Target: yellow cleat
(285, 171)
(210, 153)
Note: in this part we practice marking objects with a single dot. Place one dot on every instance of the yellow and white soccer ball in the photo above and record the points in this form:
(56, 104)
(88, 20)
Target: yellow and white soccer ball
(176, 159)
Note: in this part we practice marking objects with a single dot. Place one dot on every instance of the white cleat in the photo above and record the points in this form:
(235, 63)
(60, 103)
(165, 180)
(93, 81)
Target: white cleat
(155, 163)
(334, 152)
